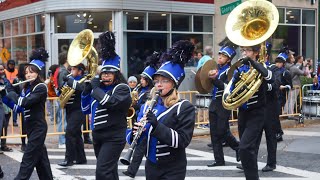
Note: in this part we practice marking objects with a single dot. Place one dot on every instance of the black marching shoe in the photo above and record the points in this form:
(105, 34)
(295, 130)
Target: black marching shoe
(66, 163)
(215, 164)
(81, 162)
(237, 156)
(87, 141)
(279, 137)
(1, 173)
(239, 166)
(268, 168)
(128, 174)
(23, 147)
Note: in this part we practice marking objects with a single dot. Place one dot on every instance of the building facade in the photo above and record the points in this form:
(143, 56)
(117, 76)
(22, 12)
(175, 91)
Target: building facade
(143, 26)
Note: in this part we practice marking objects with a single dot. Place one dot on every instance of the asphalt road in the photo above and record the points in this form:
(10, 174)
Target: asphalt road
(298, 158)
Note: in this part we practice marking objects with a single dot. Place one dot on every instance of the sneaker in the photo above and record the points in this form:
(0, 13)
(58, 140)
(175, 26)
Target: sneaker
(15, 124)
(87, 141)
(62, 146)
(1, 152)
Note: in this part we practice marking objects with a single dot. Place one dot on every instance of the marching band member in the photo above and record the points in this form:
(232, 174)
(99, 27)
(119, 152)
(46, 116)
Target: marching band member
(146, 86)
(108, 102)
(251, 113)
(171, 123)
(285, 87)
(74, 143)
(218, 115)
(32, 101)
(272, 117)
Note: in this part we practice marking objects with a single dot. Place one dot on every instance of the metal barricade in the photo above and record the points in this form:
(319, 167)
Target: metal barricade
(310, 102)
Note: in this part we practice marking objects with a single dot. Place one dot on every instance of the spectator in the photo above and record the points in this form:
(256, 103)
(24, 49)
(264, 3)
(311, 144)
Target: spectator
(297, 68)
(4, 81)
(51, 91)
(206, 57)
(11, 71)
(309, 68)
(132, 82)
(18, 89)
(60, 74)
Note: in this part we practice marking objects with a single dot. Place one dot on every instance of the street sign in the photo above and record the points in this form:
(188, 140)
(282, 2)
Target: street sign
(229, 7)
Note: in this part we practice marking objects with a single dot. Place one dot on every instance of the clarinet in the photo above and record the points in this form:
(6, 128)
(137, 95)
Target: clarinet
(127, 157)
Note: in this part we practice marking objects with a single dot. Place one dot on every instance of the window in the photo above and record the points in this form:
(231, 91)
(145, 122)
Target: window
(7, 28)
(293, 16)
(31, 24)
(40, 19)
(1, 29)
(202, 24)
(308, 17)
(77, 21)
(158, 21)
(22, 26)
(135, 20)
(181, 22)
(15, 27)
(141, 45)
(281, 15)
(19, 49)
(299, 35)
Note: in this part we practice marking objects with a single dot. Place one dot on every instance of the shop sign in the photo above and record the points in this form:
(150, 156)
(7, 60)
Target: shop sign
(229, 7)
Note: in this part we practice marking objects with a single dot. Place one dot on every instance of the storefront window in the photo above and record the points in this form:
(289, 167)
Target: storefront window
(40, 19)
(141, 45)
(281, 15)
(31, 24)
(19, 49)
(202, 23)
(158, 21)
(22, 26)
(199, 40)
(77, 21)
(181, 22)
(308, 17)
(293, 16)
(135, 20)
(1, 29)
(7, 28)
(15, 27)
(36, 41)
(308, 41)
(289, 35)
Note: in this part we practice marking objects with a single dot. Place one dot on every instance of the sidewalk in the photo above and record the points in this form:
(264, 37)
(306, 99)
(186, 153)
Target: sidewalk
(284, 124)
(52, 140)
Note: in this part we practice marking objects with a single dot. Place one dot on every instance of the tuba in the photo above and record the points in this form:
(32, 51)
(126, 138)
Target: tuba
(81, 48)
(251, 23)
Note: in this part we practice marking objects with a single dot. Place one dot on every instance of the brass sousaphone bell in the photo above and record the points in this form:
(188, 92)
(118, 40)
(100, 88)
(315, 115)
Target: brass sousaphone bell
(251, 23)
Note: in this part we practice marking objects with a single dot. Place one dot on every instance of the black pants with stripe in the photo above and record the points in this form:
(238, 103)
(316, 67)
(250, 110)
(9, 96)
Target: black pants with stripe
(107, 151)
(176, 171)
(74, 141)
(35, 156)
(250, 126)
(220, 130)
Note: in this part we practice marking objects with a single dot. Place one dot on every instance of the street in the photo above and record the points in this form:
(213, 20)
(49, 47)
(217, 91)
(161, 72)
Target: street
(298, 158)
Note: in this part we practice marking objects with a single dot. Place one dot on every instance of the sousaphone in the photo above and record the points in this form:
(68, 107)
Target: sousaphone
(251, 23)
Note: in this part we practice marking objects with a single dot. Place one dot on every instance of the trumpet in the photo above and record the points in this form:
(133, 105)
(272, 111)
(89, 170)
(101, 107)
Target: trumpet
(22, 82)
(127, 158)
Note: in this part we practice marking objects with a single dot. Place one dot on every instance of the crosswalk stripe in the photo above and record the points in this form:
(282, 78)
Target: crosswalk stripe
(190, 168)
(204, 178)
(62, 157)
(301, 133)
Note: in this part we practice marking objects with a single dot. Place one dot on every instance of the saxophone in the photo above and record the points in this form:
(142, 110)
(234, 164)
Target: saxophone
(81, 48)
(131, 110)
